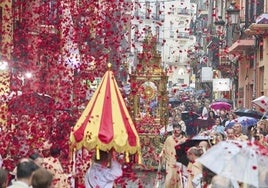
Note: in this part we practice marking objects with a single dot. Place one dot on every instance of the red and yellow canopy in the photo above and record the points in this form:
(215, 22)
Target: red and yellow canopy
(105, 122)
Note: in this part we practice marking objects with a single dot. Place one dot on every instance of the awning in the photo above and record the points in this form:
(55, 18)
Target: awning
(241, 45)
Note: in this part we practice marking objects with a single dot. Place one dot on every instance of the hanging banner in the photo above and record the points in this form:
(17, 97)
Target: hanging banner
(206, 74)
(221, 84)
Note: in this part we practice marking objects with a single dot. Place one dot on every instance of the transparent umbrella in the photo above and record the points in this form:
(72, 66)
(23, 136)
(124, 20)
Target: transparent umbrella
(240, 161)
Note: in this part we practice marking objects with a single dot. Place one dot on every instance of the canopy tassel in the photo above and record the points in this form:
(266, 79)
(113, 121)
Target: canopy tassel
(97, 153)
(127, 157)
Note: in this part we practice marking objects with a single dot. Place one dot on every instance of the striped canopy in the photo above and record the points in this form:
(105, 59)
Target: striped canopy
(105, 123)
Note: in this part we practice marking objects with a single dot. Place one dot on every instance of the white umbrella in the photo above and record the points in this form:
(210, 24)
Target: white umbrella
(261, 102)
(240, 161)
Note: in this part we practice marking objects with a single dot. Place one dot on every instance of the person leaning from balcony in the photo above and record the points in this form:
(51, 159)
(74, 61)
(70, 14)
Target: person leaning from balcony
(168, 157)
(194, 168)
(238, 132)
(103, 171)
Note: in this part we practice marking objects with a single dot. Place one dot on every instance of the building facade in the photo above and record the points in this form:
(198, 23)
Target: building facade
(170, 22)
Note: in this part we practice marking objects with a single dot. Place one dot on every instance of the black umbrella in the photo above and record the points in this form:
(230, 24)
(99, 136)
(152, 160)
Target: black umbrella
(249, 113)
(181, 150)
(174, 102)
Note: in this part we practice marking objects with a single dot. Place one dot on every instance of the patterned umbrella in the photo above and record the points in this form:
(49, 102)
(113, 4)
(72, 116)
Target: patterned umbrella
(262, 102)
(244, 121)
(105, 123)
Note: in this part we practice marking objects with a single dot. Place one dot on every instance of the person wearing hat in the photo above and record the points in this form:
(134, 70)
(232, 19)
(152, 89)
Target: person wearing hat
(168, 156)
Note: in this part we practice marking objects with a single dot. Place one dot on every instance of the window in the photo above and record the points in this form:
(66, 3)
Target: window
(147, 30)
(136, 32)
(136, 9)
(251, 60)
(261, 49)
(261, 79)
(183, 10)
(147, 10)
(49, 12)
(157, 33)
(172, 10)
(157, 10)
(241, 92)
(259, 7)
(171, 30)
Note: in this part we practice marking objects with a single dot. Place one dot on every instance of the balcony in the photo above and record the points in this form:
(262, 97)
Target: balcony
(241, 45)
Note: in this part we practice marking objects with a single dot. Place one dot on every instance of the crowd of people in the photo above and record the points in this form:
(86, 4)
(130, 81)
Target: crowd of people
(43, 169)
(194, 175)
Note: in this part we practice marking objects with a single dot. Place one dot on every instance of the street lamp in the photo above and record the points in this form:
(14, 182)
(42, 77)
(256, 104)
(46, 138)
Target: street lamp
(3, 65)
(220, 23)
(233, 12)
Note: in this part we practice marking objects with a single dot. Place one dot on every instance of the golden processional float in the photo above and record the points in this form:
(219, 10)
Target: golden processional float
(105, 124)
(148, 101)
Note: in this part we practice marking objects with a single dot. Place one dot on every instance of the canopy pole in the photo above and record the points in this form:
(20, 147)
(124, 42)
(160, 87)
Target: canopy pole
(264, 114)
(139, 158)
(73, 168)
(127, 157)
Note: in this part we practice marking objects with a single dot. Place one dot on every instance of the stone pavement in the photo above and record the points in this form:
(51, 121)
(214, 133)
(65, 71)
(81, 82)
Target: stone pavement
(141, 179)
